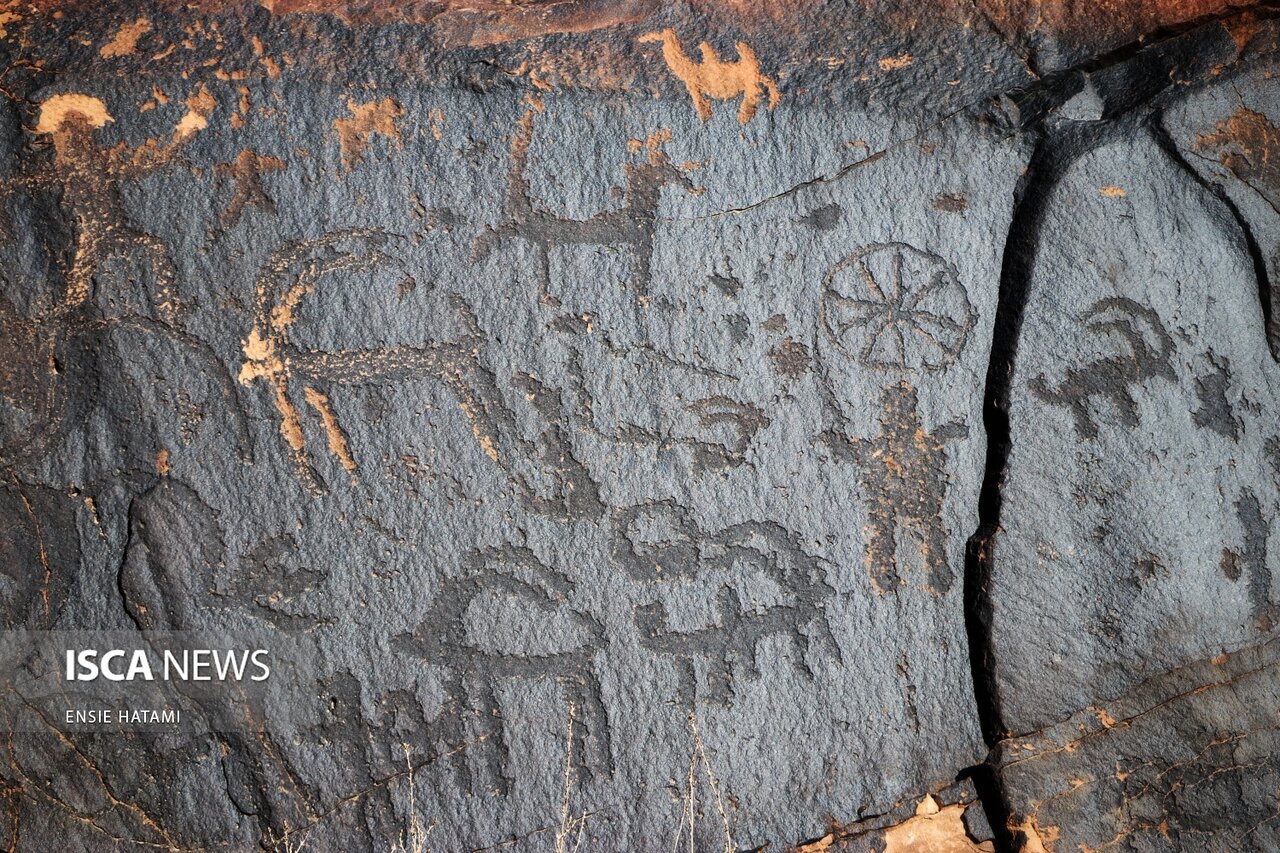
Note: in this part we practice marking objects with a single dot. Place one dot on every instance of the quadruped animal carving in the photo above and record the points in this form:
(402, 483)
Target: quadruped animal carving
(660, 543)
(1150, 350)
(717, 79)
(546, 476)
(473, 672)
(632, 225)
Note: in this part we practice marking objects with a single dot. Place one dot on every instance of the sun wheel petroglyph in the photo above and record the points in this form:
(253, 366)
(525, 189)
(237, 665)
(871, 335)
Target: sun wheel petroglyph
(894, 307)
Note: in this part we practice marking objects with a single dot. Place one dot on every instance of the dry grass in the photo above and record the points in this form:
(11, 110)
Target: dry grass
(689, 814)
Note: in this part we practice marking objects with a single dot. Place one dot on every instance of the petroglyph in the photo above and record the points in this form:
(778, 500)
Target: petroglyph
(717, 79)
(87, 181)
(89, 178)
(246, 173)
(474, 668)
(366, 120)
(660, 542)
(890, 306)
(903, 474)
(1150, 349)
(722, 428)
(632, 225)
(545, 474)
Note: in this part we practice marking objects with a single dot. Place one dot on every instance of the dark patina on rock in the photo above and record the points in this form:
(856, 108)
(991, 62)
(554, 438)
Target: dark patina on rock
(743, 428)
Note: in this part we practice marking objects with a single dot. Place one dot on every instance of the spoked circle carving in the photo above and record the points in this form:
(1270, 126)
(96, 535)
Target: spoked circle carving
(891, 306)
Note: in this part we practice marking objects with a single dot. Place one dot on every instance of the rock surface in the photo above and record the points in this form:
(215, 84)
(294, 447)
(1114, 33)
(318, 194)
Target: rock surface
(854, 431)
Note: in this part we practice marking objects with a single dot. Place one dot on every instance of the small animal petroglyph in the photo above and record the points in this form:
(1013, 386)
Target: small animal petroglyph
(660, 542)
(719, 428)
(246, 173)
(548, 479)
(632, 225)
(717, 79)
(354, 133)
(890, 306)
(904, 476)
(474, 670)
(1150, 349)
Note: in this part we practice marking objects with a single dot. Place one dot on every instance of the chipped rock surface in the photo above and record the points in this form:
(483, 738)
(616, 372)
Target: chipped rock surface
(802, 428)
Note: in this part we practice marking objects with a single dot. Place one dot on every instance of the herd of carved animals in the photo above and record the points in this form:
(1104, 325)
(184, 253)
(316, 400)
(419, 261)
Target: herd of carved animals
(889, 308)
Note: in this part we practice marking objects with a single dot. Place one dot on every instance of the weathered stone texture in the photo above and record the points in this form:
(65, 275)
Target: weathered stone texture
(789, 438)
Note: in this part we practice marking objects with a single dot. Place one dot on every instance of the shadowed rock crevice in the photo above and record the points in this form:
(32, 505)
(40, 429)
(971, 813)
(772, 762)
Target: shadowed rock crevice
(1071, 113)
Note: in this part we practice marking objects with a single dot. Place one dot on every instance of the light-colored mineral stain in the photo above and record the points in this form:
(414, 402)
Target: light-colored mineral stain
(58, 109)
(717, 79)
(354, 133)
(934, 829)
(196, 118)
(8, 16)
(895, 63)
(125, 41)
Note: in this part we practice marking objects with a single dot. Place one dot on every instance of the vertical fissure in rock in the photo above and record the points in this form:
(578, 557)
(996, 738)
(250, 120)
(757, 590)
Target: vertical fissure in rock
(1055, 149)
(1010, 305)
(1266, 292)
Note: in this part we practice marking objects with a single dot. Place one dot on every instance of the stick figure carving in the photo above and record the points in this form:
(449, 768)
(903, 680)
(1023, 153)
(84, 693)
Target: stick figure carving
(715, 78)
(660, 542)
(548, 479)
(87, 179)
(474, 668)
(904, 475)
(632, 225)
(894, 307)
(1150, 349)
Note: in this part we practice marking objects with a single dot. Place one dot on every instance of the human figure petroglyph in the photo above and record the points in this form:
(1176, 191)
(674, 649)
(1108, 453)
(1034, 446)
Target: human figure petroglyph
(717, 79)
(245, 173)
(473, 673)
(903, 474)
(632, 225)
(660, 542)
(1150, 350)
(545, 474)
(88, 179)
